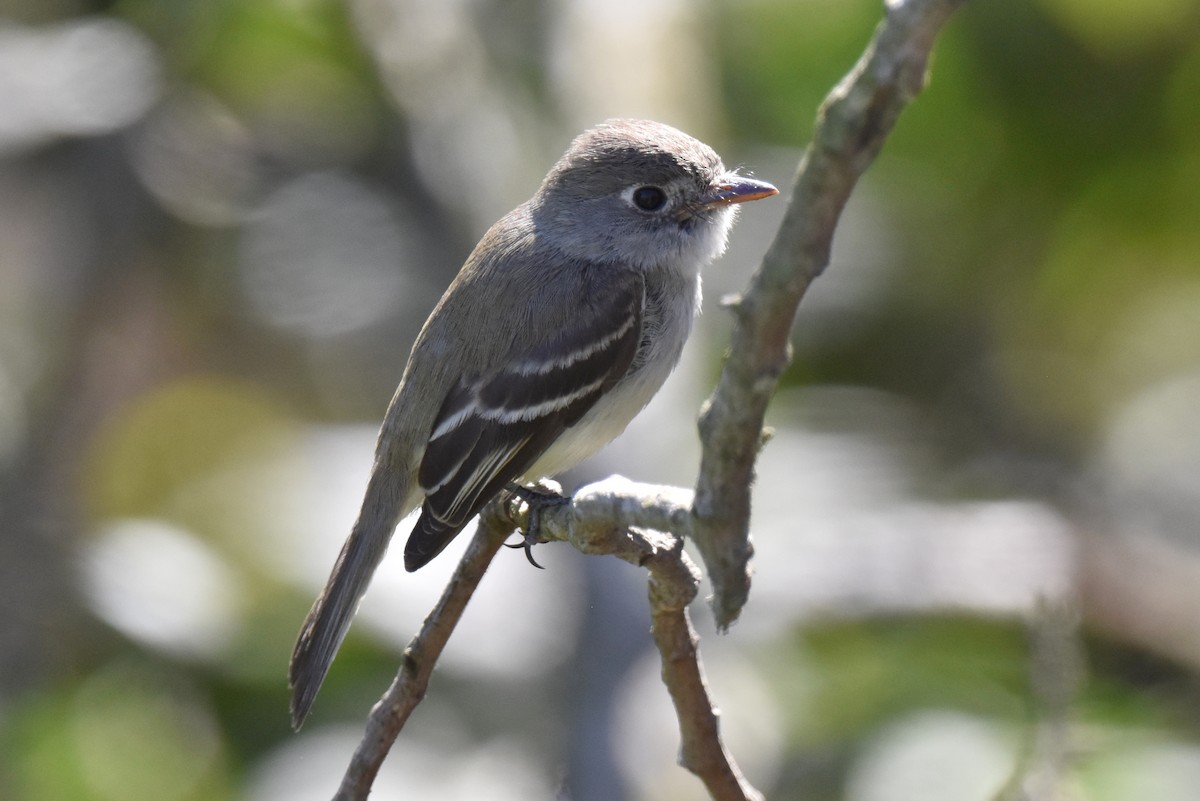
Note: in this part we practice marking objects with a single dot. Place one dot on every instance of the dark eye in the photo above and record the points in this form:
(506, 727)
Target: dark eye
(649, 198)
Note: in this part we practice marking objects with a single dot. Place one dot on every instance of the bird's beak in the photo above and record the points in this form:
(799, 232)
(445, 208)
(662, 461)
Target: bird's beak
(737, 189)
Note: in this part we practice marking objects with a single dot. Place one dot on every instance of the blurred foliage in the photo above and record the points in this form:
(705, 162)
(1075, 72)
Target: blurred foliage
(172, 438)
(130, 731)
(204, 207)
(870, 672)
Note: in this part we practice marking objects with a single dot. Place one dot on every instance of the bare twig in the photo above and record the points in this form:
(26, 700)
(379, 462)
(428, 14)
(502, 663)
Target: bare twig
(638, 523)
(852, 125)
(408, 688)
(1056, 672)
(632, 521)
(702, 750)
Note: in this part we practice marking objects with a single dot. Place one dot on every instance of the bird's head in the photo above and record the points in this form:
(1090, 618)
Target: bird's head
(642, 193)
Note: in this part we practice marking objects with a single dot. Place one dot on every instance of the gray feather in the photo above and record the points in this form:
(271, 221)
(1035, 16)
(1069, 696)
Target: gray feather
(387, 500)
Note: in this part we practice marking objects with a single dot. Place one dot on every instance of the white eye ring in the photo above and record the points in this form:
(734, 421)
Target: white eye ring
(647, 197)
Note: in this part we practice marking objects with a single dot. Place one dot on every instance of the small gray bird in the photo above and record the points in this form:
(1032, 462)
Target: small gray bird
(563, 323)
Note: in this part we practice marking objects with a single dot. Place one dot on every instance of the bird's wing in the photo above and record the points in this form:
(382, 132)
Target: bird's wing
(492, 428)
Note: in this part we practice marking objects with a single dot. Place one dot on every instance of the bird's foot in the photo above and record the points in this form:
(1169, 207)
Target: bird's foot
(538, 499)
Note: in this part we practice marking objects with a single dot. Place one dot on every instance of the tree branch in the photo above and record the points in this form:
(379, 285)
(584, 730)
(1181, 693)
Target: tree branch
(646, 525)
(1057, 671)
(614, 517)
(852, 125)
(389, 715)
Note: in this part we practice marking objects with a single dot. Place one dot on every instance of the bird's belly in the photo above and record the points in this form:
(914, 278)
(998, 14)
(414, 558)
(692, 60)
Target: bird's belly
(613, 412)
(600, 426)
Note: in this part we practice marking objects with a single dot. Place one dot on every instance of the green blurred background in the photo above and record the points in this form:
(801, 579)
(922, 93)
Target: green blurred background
(978, 524)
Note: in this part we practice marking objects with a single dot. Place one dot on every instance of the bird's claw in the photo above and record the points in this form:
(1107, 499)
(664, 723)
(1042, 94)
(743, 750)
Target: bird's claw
(527, 543)
(537, 499)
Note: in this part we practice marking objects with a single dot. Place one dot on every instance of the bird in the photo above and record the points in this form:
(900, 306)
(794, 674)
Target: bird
(562, 324)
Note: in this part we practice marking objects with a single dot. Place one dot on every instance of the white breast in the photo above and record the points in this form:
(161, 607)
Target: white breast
(671, 303)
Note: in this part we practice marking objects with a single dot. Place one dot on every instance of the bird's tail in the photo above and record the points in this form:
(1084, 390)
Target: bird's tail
(330, 616)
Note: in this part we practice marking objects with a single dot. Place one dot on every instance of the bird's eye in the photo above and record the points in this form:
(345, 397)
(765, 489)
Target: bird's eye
(649, 198)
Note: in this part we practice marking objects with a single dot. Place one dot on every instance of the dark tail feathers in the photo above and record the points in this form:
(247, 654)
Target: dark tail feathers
(330, 616)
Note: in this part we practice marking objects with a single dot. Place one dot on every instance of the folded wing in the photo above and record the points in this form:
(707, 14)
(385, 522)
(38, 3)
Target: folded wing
(492, 428)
